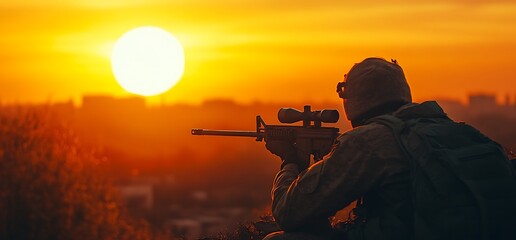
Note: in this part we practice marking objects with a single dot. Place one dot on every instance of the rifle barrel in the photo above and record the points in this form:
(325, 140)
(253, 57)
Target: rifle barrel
(198, 131)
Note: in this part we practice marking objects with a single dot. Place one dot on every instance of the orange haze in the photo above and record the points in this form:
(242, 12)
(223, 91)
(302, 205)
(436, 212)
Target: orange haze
(259, 50)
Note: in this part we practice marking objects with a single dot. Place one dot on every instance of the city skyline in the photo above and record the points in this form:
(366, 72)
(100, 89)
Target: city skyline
(507, 99)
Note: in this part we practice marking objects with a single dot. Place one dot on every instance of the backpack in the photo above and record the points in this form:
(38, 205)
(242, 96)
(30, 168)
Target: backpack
(463, 185)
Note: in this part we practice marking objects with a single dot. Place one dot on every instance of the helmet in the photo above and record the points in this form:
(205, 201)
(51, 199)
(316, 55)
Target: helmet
(372, 84)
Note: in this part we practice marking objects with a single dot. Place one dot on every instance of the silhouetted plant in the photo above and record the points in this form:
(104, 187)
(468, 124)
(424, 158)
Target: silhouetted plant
(248, 231)
(50, 187)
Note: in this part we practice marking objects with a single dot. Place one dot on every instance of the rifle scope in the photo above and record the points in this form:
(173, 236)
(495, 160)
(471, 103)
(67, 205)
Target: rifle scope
(291, 115)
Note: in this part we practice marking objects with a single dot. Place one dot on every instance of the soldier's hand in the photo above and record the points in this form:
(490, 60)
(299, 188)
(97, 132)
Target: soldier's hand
(282, 149)
(286, 151)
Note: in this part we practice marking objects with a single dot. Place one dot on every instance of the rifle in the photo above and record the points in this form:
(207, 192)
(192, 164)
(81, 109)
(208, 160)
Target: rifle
(311, 139)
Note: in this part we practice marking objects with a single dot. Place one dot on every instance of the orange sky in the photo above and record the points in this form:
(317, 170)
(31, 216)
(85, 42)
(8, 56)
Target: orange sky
(54, 50)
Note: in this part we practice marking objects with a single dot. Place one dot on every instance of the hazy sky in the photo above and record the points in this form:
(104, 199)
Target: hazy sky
(260, 50)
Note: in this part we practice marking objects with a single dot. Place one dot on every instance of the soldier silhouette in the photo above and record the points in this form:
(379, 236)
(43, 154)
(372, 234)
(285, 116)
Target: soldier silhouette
(414, 172)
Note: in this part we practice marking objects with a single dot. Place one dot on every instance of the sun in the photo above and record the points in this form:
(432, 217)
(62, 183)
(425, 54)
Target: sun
(147, 61)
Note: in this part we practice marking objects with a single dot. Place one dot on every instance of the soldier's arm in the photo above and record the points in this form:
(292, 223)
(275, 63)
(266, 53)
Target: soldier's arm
(326, 187)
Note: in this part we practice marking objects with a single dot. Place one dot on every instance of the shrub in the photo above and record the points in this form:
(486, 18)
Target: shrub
(51, 187)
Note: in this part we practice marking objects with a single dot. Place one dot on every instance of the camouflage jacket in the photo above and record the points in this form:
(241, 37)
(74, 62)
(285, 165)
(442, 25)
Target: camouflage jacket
(366, 162)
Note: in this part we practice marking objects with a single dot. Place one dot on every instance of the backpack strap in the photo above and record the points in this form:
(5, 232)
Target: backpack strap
(390, 121)
(396, 125)
(400, 126)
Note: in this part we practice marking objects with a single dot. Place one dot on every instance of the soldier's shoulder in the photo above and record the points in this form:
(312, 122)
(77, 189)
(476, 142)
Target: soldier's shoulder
(371, 130)
(370, 135)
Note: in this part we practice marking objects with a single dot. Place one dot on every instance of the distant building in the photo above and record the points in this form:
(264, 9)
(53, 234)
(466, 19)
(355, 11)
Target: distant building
(222, 102)
(64, 109)
(195, 227)
(482, 101)
(97, 102)
(508, 101)
(138, 195)
(185, 228)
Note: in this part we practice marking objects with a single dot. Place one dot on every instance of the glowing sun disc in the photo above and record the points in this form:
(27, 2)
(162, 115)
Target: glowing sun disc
(147, 61)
